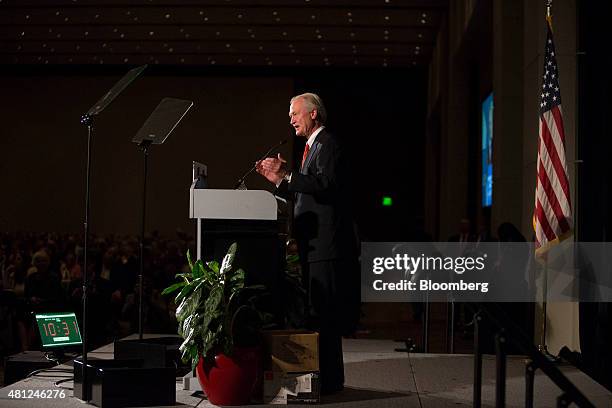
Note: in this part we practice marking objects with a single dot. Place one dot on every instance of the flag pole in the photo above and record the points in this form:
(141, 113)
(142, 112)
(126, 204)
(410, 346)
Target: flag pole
(542, 346)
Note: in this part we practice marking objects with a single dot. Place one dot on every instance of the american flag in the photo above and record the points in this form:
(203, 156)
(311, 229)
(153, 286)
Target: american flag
(552, 218)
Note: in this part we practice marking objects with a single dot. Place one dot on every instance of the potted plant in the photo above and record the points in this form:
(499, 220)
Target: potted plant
(219, 322)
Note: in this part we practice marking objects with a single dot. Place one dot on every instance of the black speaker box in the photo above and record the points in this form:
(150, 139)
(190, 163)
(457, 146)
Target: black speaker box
(114, 387)
(92, 365)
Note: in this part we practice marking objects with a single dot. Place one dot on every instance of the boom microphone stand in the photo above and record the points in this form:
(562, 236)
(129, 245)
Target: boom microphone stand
(240, 183)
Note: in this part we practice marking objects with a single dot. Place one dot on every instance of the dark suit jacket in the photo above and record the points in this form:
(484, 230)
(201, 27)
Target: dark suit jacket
(322, 213)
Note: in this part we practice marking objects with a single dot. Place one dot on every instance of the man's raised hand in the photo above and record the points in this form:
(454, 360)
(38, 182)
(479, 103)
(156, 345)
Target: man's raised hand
(272, 168)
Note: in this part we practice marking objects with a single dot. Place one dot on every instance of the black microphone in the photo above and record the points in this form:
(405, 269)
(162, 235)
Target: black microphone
(240, 181)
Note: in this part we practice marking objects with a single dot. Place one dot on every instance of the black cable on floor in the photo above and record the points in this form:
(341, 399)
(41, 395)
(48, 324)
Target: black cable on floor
(57, 383)
(48, 376)
(58, 370)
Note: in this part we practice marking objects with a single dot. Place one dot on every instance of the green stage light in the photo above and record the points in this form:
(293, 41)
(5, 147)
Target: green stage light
(387, 201)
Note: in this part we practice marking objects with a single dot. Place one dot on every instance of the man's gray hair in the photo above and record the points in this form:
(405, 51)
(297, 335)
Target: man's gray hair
(313, 101)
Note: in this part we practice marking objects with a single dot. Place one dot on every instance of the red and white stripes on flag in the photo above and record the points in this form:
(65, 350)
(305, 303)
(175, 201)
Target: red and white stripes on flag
(552, 219)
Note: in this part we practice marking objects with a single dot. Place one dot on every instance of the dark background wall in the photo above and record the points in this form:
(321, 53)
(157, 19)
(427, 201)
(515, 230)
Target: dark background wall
(381, 114)
(237, 115)
(43, 147)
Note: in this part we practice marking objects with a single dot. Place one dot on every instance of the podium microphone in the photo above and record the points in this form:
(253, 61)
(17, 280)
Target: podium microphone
(240, 183)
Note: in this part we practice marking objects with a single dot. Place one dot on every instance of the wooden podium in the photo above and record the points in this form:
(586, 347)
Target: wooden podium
(248, 217)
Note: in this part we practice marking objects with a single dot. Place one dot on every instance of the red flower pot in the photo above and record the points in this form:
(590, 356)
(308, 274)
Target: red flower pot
(230, 380)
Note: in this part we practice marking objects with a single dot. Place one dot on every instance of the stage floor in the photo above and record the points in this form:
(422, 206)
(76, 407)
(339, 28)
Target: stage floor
(379, 376)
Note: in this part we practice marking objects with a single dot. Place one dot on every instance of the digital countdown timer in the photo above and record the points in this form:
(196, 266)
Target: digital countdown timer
(58, 329)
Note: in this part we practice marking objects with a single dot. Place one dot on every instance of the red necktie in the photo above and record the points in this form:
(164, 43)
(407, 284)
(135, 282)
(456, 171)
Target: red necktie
(306, 149)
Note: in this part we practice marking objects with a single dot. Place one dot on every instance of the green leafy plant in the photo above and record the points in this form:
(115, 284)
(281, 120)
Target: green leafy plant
(215, 309)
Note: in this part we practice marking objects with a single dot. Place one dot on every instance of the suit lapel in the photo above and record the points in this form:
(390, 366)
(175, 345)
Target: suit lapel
(312, 153)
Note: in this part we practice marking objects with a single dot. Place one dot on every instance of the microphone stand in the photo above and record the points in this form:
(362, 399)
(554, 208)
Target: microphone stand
(240, 183)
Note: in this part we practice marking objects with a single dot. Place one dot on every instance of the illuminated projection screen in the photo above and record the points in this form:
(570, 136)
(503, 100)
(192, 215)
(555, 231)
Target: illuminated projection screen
(487, 151)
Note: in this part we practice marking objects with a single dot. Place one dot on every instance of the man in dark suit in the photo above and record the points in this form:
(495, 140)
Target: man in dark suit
(323, 229)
